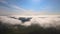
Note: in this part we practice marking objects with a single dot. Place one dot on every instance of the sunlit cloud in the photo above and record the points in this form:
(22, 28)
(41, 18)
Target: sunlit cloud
(42, 20)
(17, 7)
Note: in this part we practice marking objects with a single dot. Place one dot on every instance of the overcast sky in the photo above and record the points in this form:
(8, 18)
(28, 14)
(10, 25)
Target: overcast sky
(33, 7)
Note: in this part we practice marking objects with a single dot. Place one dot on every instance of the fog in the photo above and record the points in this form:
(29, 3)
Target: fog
(44, 21)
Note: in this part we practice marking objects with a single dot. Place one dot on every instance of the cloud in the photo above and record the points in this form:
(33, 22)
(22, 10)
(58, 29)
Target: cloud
(5, 19)
(12, 9)
(17, 8)
(47, 21)
(4, 2)
(44, 11)
(12, 6)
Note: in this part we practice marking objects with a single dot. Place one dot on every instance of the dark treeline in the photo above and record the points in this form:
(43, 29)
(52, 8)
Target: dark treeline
(19, 29)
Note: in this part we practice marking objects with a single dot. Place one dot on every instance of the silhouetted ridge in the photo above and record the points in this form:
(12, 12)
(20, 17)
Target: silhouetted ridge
(23, 19)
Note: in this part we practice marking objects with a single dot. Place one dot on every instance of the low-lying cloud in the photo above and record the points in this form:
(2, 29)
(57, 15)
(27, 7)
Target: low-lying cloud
(44, 21)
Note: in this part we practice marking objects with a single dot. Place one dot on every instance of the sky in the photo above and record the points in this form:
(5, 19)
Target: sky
(30, 7)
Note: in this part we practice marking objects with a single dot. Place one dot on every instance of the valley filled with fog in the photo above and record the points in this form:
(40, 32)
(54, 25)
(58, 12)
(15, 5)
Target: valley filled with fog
(23, 24)
(42, 20)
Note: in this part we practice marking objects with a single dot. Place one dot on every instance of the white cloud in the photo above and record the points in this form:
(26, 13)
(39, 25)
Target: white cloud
(47, 21)
(5, 19)
(17, 7)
